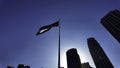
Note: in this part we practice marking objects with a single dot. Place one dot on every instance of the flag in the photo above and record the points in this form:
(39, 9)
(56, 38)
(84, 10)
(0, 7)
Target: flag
(47, 28)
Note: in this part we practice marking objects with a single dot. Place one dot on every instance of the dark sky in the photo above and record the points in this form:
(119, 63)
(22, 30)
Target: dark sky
(79, 19)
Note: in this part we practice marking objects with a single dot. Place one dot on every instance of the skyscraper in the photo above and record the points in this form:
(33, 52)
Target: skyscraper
(10, 67)
(73, 60)
(111, 22)
(22, 66)
(99, 57)
(86, 65)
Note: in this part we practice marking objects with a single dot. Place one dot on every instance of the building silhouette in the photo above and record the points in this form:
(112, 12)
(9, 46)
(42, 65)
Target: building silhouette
(73, 59)
(22, 66)
(99, 57)
(19, 66)
(27, 66)
(86, 65)
(111, 22)
(10, 67)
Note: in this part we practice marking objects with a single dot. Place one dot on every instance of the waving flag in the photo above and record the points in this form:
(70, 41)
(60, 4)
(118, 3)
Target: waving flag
(47, 28)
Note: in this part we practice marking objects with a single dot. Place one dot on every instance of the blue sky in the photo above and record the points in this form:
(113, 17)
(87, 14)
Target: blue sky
(79, 19)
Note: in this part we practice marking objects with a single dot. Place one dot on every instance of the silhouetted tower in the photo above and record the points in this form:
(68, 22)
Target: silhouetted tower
(27, 66)
(73, 60)
(111, 22)
(99, 57)
(10, 67)
(86, 65)
(22, 66)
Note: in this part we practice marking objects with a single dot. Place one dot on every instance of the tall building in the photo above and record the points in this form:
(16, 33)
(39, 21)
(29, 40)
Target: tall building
(10, 67)
(111, 22)
(86, 65)
(73, 60)
(99, 57)
(22, 66)
(27, 66)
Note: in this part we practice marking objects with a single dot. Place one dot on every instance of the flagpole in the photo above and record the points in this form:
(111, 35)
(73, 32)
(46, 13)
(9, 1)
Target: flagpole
(48, 27)
(59, 48)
